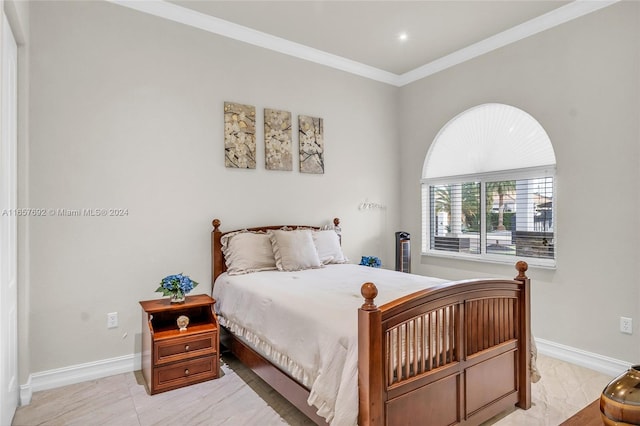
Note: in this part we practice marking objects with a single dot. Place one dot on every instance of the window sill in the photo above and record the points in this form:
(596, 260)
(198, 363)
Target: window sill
(495, 259)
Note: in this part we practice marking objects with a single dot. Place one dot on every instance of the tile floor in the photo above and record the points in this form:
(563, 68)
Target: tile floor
(240, 398)
(563, 390)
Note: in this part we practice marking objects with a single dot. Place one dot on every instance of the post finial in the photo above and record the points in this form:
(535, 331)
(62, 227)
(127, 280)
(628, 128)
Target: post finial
(336, 221)
(216, 225)
(369, 291)
(522, 267)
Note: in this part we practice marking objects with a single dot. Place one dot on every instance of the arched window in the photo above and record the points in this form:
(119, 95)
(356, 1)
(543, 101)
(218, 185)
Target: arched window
(488, 188)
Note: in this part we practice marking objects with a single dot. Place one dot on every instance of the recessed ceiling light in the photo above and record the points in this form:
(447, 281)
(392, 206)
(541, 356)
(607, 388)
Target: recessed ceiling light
(403, 36)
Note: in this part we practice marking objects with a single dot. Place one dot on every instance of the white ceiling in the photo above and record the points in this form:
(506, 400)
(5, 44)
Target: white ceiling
(367, 31)
(362, 36)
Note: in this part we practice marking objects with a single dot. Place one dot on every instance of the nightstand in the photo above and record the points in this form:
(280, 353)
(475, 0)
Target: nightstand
(172, 358)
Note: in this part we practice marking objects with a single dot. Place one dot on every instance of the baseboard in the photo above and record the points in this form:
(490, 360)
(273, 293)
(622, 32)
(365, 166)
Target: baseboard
(77, 373)
(107, 367)
(26, 392)
(603, 364)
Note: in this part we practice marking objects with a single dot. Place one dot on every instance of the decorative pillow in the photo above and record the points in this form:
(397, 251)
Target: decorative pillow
(294, 250)
(328, 247)
(247, 251)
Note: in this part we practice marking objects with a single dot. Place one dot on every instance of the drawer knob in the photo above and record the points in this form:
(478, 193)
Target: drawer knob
(186, 347)
(186, 372)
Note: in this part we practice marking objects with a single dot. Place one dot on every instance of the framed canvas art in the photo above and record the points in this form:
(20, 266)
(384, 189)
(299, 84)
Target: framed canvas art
(311, 135)
(277, 140)
(239, 136)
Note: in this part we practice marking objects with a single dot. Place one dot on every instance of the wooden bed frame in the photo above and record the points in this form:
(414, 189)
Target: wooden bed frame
(477, 363)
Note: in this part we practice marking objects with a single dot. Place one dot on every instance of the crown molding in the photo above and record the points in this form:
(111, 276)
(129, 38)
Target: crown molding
(537, 25)
(234, 31)
(214, 25)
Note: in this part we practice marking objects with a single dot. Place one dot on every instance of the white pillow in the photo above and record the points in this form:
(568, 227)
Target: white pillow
(294, 250)
(328, 247)
(246, 251)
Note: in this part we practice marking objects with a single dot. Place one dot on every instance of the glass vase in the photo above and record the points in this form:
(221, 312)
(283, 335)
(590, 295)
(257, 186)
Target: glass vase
(177, 298)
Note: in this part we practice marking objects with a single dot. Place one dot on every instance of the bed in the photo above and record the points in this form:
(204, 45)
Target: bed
(441, 352)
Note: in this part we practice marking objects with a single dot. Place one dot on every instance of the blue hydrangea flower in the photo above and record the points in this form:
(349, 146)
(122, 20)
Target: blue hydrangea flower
(176, 285)
(371, 261)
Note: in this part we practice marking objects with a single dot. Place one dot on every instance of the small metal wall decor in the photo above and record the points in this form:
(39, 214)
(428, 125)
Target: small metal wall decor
(183, 322)
(311, 135)
(239, 136)
(277, 140)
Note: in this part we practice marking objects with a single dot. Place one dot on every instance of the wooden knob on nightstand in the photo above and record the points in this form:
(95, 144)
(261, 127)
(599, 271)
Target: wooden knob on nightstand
(186, 372)
(186, 347)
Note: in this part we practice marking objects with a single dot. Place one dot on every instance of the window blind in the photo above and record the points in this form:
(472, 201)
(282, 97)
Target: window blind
(495, 217)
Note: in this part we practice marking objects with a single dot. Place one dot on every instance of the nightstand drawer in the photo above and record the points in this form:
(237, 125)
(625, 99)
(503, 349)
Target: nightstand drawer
(185, 347)
(185, 373)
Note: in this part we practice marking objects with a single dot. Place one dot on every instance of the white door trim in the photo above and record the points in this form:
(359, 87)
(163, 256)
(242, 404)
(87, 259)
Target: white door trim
(8, 227)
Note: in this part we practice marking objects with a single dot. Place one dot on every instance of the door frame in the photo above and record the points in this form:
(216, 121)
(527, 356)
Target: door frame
(9, 390)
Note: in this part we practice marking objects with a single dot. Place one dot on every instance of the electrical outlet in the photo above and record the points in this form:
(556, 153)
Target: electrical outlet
(626, 325)
(112, 320)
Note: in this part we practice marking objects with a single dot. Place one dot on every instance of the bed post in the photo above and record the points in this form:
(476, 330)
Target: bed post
(370, 366)
(524, 349)
(216, 249)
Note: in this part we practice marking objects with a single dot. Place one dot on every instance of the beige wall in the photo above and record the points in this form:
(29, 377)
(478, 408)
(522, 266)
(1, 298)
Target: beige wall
(127, 112)
(581, 82)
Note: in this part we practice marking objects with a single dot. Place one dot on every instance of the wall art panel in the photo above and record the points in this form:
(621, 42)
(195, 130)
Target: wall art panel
(277, 140)
(239, 136)
(311, 135)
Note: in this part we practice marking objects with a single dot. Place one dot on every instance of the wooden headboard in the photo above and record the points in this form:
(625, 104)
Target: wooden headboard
(218, 264)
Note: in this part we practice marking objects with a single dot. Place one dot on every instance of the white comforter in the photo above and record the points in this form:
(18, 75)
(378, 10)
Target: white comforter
(307, 323)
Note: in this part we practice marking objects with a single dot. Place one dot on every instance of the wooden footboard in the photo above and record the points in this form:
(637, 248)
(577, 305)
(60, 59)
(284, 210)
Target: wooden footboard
(454, 354)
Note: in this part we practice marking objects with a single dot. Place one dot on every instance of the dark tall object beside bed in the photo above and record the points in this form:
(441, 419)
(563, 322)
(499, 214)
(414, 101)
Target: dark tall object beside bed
(403, 252)
(457, 353)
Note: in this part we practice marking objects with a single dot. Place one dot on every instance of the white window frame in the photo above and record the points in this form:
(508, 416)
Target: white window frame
(483, 256)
